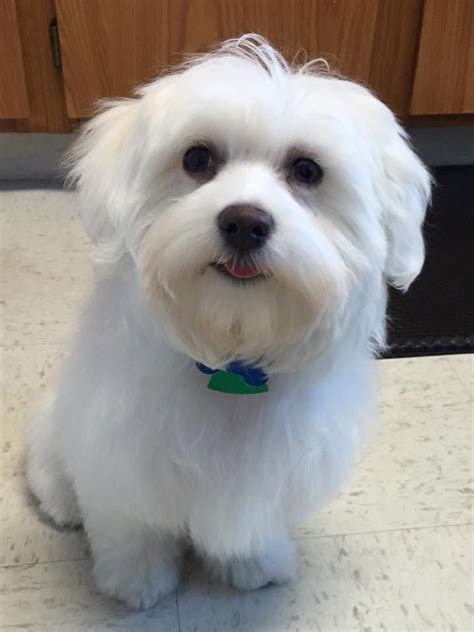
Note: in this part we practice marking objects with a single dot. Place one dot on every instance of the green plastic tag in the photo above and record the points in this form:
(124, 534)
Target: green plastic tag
(232, 383)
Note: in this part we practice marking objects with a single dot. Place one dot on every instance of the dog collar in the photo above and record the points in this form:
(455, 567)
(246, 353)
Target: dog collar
(237, 378)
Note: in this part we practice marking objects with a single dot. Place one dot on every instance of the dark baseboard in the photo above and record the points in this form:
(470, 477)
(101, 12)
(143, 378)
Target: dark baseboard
(436, 316)
(430, 346)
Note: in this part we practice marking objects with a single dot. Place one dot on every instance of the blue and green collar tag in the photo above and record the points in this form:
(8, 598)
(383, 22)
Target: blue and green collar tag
(237, 378)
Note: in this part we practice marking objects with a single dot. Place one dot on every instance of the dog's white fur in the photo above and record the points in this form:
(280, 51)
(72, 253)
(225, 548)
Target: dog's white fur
(134, 445)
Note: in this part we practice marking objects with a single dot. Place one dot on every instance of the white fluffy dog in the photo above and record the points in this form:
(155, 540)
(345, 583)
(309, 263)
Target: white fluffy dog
(247, 217)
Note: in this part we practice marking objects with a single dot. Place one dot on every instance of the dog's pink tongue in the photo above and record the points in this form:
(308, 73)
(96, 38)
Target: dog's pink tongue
(242, 270)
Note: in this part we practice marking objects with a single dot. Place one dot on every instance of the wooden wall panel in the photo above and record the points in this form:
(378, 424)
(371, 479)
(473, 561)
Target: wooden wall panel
(444, 79)
(393, 64)
(108, 47)
(47, 104)
(13, 94)
(44, 80)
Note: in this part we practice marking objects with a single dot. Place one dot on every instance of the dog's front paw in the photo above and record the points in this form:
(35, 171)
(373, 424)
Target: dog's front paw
(140, 586)
(140, 583)
(274, 565)
(138, 573)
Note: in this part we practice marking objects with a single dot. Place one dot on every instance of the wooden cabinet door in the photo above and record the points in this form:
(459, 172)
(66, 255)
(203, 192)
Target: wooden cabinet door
(444, 79)
(108, 47)
(13, 94)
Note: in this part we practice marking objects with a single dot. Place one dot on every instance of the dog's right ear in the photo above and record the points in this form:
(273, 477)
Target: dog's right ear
(100, 166)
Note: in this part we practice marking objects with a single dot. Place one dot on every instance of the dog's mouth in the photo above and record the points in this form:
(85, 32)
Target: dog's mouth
(240, 270)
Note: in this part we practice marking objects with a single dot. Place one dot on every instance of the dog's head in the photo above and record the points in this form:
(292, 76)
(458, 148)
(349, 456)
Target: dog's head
(264, 207)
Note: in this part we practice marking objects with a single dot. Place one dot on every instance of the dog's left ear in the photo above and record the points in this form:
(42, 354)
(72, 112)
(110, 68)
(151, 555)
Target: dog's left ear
(404, 192)
(402, 185)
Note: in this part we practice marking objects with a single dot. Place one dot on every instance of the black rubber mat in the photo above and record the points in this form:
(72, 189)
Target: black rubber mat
(437, 314)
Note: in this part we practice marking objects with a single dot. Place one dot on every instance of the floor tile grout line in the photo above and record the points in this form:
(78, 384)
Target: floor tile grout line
(458, 377)
(30, 564)
(295, 539)
(374, 532)
(465, 386)
(9, 346)
(177, 609)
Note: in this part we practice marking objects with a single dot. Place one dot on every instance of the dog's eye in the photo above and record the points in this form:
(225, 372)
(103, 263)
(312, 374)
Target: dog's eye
(198, 159)
(306, 171)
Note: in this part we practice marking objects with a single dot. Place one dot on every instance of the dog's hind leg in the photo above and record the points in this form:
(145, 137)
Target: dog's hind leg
(45, 473)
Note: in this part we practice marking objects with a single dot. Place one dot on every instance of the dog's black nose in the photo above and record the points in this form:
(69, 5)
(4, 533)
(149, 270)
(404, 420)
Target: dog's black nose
(245, 227)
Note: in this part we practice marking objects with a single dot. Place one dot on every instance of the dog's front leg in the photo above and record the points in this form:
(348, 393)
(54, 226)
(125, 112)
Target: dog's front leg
(274, 563)
(132, 562)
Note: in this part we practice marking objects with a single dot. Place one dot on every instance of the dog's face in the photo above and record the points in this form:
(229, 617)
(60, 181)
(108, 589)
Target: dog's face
(263, 207)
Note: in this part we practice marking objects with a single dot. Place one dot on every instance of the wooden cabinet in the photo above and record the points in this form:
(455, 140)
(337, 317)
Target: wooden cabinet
(394, 52)
(13, 96)
(417, 55)
(27, 69)
(112, 45)
(444, 79)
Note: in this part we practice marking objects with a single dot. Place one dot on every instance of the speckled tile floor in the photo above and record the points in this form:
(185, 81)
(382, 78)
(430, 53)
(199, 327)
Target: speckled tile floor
(393, 552)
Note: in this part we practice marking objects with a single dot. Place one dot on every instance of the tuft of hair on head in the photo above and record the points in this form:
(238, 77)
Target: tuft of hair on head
(318, 66)
(256, 49)
(259, 51)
